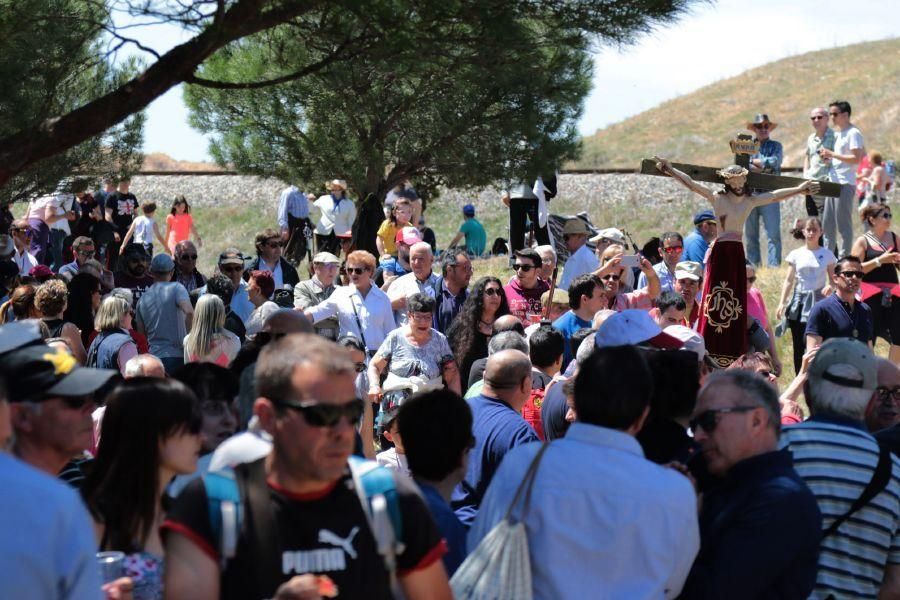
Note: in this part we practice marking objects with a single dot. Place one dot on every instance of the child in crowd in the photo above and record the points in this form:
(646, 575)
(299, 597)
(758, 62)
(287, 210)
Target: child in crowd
(144, 228)
(394, 458)
(180, 224)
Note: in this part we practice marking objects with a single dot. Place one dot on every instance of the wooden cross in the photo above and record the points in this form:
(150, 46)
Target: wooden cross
(743, 147)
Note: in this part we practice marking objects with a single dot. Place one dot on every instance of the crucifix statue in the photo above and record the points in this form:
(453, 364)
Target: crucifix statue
(723, 314)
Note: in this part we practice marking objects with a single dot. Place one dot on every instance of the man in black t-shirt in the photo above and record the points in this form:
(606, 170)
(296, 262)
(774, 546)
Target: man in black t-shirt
(120, 209)
(303, 524)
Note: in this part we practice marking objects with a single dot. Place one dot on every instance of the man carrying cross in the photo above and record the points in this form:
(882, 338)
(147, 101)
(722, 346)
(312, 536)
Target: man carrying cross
(723, 318)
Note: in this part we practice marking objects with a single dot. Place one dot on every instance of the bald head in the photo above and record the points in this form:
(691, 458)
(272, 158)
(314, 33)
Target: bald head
(506, 369)
(286, 321)
(144, 365)
(508, 323)
(421, 259)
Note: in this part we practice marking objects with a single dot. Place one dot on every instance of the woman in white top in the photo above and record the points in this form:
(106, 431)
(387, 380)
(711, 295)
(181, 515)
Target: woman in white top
(812, 267)
(208, 340)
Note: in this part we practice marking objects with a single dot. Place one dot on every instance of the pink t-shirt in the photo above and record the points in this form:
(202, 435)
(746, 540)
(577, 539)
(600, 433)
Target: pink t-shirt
(756, 307)
(179, 229)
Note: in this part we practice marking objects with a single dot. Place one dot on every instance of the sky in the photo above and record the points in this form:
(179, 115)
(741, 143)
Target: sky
(713, 41)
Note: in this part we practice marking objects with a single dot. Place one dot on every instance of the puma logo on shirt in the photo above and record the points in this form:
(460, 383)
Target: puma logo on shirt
(321, 559)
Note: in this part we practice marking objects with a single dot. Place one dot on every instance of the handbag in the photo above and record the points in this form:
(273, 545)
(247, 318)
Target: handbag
(499, 568)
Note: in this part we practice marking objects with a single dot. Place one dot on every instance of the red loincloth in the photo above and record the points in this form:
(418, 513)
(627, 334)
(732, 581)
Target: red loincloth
(723, 317)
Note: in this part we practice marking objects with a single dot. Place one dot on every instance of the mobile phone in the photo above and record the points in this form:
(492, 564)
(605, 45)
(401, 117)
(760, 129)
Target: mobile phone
(630, 261)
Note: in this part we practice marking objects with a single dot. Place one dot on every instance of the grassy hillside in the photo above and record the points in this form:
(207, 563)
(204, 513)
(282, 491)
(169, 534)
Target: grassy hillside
(696, 127)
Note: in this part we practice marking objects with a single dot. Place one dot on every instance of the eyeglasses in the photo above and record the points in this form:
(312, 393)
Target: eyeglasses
(420, 316)
(849, 274)
(76, 402)
(817, 117)
(886, 394)
(86, 253)
(751, 279)
(273, 245)
(885, 215)
(523, 268)
(709, 419)
(357, 270)
(492, 291)
(761, 126)
(26, 232)
(231, 268)
(318, 414)
(187, 257)
(611, 277)
(360, 367)
(673, 249)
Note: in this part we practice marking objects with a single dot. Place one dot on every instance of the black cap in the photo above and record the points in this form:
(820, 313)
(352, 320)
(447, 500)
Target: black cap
(38, 372)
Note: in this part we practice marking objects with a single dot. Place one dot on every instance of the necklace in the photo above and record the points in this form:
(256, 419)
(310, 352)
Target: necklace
(850, 315)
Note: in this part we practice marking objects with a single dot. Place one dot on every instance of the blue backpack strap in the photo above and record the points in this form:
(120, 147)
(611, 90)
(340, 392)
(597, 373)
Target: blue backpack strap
(377, 480)
(225, 511)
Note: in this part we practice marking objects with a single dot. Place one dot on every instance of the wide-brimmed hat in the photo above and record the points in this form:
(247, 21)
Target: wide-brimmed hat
(732, 171)
(38, 372)
(610, 233)
(336, 183)
(759, 119)
(576, 227)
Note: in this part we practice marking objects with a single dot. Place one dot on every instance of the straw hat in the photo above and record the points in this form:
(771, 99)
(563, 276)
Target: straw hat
(336, 183)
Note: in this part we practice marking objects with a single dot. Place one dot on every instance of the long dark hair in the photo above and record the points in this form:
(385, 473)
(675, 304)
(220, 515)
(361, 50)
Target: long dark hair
(78, 310)
(122, 486)
(463, 332)
(180, 199)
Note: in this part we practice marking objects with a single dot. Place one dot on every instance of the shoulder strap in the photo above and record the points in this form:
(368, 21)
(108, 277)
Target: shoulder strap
(880, 478)
(225, 511)
(358, 324)
(262, 533)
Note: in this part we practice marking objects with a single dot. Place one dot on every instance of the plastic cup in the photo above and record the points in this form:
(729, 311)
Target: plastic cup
(112, 565)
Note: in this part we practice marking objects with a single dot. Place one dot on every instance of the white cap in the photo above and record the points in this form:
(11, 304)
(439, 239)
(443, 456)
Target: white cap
(631, 327)
(692, 340)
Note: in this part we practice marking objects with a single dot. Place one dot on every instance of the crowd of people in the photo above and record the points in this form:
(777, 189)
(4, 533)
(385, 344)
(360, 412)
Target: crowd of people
(373, 428)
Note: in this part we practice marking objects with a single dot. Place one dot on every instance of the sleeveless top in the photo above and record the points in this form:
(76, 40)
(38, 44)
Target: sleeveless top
(55, 326)
(104, 350)
(886, 273)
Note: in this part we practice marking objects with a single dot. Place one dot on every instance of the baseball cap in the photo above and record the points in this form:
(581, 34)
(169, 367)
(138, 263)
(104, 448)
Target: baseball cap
(18, 334)
(408, 235)
(633, 327)
(326, 258)
(610, 233)
(850, 352)
(231, 256)
(37, 372)
(575, 227)
(688, 269)
(162, 263)
(690, 339)
(703, 216)
(559, 297)
(469, 210)
(133, 249)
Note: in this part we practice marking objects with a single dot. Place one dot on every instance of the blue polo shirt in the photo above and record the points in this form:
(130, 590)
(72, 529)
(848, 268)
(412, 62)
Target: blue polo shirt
(831, 318)
(447, 306)
(567, 325)
(497, 429)
(695, 248)
(452, 530)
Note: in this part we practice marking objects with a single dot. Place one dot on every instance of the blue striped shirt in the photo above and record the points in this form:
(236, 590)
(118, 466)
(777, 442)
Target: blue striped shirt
(836, 458)
(292, 202)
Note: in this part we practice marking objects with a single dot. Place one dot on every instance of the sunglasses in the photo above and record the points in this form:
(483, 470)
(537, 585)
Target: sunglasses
(326, 415)
(761, 126)
(611, 277)
(523, 268)
(886, 394)
(231, 269)
(360, 367)
(752, 279)
(357, 270)
(709, 419)
(274, 245)
(492, 291)
(86, 253)
(22, 231)
(76, 402)
(673, 249)
(817, 117)
(885, 215)
(849, 274)
(188, 257)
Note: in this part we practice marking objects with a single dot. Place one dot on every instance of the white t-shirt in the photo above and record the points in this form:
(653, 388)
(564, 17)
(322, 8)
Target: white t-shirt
(811, 267)
(64, 203)
(844, 143)
(143, 230)
(583, 261)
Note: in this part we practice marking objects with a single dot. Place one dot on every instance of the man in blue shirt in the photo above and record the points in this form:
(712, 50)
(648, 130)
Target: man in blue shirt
(767, 160)
(451, 288)
(840, 314)
(760, 524)
(706, 228)
(436, 428)
(585, 299)
(498, 426)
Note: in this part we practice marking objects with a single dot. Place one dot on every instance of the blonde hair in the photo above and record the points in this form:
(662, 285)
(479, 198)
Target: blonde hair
(109, 315)
(209, 320)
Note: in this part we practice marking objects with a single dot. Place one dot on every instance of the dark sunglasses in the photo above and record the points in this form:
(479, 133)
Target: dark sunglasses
(761, 126)
(357, 270)
(278, 244)
(709, 419)
(25, 231)
(611, 277)
(885, 394)
(817, 117)
(76, 402)
(856, 274)
(492, 292)
(187, 257)
(326, 415)
(886, 215)
(231, 268)
(523, 268)
(673, 249)
(752, 279)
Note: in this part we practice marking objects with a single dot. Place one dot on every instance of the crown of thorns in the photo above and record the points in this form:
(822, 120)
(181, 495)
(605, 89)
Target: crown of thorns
(733, 171)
